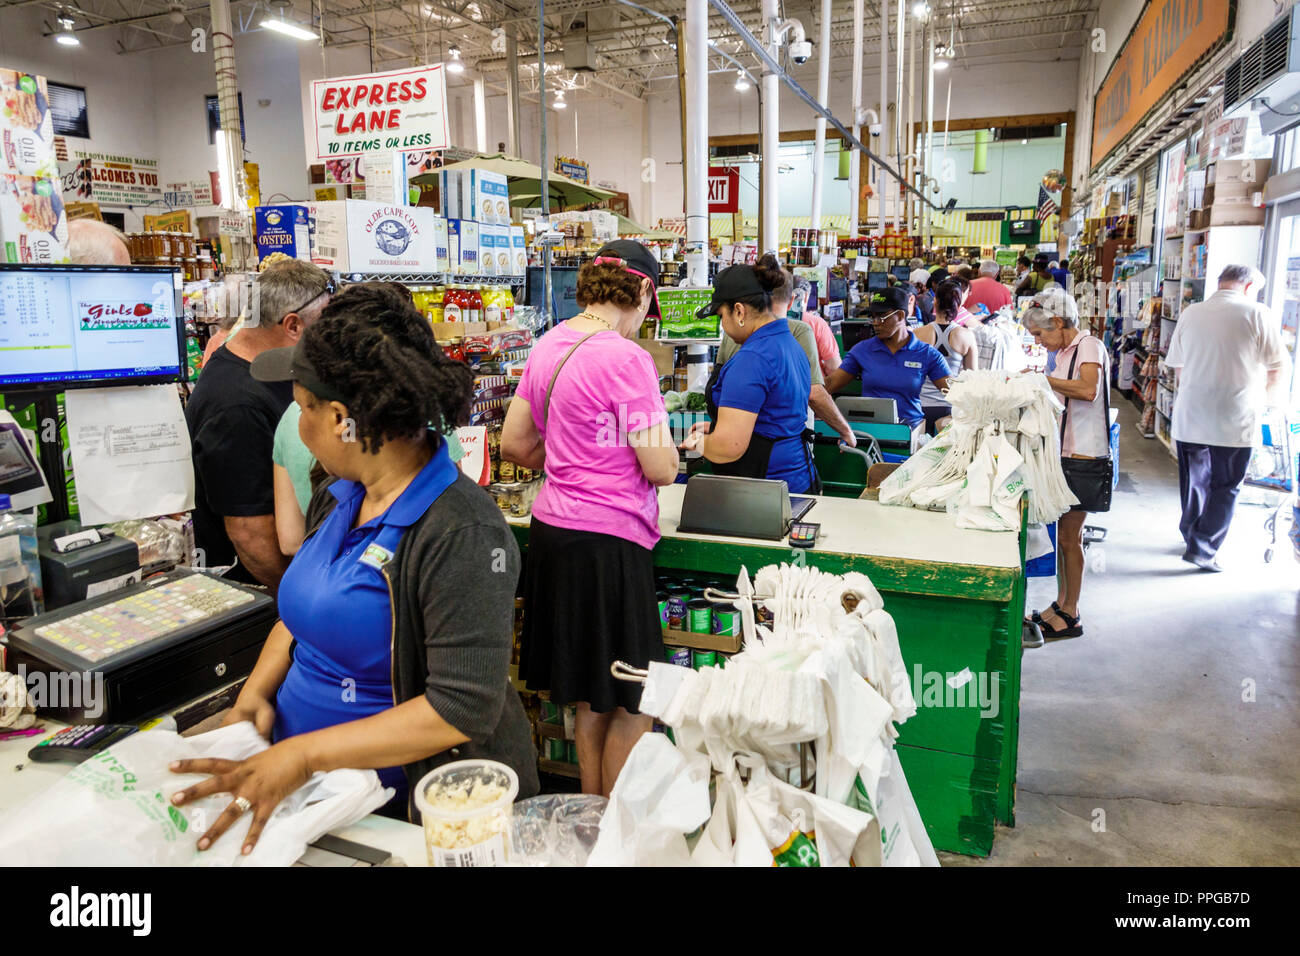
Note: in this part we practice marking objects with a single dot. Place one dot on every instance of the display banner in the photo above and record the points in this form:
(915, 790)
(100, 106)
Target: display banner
(116, 180)
(1169, 38)
(397, 110)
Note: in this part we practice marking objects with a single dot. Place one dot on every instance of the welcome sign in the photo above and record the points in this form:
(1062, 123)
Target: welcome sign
(1169, 38)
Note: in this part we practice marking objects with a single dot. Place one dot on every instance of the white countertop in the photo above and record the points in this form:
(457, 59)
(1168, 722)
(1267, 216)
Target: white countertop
(856, 526)
(404, 841)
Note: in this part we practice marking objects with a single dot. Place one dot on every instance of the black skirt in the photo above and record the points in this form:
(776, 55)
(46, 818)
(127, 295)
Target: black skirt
(589, 600)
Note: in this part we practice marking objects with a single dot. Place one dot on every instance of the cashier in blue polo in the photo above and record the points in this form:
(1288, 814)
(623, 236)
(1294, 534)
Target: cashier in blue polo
(393, 648)
(894, 363)
(758, 400)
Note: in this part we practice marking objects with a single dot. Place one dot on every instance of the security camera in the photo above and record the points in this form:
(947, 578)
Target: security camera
(875, 129)
(801, 51)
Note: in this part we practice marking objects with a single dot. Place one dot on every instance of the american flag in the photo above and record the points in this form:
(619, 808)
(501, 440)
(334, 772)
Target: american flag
(1046, 206)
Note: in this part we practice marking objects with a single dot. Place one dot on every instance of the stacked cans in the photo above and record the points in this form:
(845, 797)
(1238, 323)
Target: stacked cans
(683, 607)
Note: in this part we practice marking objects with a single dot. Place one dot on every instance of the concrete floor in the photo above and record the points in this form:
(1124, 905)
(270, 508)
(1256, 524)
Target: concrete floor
(1140, 726)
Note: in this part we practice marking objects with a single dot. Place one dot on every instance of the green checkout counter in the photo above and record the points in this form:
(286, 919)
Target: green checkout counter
(958, 599)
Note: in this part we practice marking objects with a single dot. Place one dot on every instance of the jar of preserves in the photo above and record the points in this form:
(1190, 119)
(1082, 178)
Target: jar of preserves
(191, 269)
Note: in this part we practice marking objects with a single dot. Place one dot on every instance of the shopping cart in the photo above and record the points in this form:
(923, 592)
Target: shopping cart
(1273, 466)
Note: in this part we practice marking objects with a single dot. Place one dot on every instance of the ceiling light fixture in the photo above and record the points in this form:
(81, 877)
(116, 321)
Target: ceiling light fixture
(559, 103)
(742, 84)
(455, 66)
(65, 36)
(920, 10)
(286, 27)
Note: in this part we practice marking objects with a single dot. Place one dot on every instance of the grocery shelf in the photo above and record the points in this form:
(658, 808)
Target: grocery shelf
(427, 278)
(558, 769)
(555, 731)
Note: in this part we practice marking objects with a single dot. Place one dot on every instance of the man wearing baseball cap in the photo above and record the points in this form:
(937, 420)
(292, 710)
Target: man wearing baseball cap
(894, 363)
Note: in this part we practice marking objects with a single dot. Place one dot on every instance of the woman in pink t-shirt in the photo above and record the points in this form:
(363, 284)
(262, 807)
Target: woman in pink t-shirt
(588, 412)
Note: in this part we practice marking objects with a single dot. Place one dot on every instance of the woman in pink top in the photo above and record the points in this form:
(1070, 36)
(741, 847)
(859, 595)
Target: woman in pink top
(588, 412)
(1082, 385)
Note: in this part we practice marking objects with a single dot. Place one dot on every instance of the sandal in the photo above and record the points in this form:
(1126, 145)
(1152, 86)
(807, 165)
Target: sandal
(1037, 616)
(1072, 627)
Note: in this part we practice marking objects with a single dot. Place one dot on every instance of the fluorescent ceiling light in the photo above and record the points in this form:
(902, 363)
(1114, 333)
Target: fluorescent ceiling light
(288, 28)
(941, 64)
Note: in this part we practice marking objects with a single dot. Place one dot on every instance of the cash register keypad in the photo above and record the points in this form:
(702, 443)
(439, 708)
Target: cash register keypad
(110, 629)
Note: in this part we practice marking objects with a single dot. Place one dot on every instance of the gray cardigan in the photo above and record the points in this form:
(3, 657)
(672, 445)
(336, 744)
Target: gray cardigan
(452, 583)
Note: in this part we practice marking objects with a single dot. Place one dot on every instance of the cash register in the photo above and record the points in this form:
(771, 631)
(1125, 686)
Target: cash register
(139, 651)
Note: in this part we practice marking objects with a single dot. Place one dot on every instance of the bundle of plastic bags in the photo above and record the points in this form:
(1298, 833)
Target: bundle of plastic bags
(1002, 444)
(828, 672)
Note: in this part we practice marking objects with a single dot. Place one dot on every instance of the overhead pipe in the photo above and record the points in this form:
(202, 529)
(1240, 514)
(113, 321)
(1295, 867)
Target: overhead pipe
(898, 108)
(696, 157)
(770, 135)
(770, 63)
(823, 92)
(855, 172)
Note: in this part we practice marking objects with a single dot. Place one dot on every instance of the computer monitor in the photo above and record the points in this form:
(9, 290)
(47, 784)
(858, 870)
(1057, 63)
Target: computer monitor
(901, 273)
(837, 288)
(854, 331)
(71, 326)
(564, 291)
(877, 280)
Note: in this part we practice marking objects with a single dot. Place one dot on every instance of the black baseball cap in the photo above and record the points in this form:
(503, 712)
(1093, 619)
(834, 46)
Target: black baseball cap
(290, 364)
(732, 284)
(884, 301)
(638, 260)
(1042, 259)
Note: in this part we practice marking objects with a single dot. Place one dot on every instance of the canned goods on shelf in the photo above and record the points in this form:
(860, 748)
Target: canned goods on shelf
(699, 614)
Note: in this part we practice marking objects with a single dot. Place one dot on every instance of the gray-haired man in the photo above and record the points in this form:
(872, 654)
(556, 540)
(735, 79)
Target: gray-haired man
(232, 420)
(1230, 351)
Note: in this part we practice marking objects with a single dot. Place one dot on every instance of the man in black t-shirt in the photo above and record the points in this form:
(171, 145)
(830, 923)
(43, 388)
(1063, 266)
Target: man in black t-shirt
(232, 420)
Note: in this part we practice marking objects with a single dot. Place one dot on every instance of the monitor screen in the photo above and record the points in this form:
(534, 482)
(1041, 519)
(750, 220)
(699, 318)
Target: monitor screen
(79, 326)
(877, 280)
(901, 273)
(564, 291)
(837, 289)
(854, 331)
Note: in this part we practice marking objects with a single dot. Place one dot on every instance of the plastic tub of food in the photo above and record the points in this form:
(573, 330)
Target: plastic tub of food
(466, 807)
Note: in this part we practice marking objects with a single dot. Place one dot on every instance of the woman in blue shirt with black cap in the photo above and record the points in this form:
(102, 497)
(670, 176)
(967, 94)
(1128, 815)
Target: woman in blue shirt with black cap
(758, 400)
(895, 363)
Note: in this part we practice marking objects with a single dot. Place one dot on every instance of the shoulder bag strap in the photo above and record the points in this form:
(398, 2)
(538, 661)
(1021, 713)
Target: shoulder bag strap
(546, 408)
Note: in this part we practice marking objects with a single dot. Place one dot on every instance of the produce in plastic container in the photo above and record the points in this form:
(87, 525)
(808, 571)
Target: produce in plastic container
(466, 808)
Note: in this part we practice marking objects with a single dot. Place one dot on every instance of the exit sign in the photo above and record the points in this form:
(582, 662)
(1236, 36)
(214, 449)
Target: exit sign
(724, 189)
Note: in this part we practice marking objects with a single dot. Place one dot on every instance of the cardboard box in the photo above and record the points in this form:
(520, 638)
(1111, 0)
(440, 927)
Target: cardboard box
(26, 127)
(33, 222)
(487, 249)
(457, 194)
(463, 246)
(441, 261)
(354, 235)
(505, 261)
(491, 203)
(518, 251)
(1233, 214)
(282, 229)
(1249, 171)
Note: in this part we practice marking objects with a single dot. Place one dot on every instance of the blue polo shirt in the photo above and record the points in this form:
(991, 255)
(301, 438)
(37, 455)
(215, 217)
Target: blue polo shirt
(770, 376)
(898, 376)
(334, 600)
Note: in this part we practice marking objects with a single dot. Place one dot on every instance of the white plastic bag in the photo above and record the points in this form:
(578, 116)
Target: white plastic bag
(661, 795)
(904, 840)
(115, 809)
(804, 830)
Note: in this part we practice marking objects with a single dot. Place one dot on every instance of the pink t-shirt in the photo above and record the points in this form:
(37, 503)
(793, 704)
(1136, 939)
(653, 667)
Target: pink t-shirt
(1087, 432)
(826, 347)
(607, 389)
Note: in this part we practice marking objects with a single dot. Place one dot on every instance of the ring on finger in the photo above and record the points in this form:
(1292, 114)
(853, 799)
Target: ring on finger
(243, 803)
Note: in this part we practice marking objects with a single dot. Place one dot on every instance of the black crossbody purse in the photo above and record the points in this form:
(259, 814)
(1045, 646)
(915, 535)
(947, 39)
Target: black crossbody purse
(1091, 479)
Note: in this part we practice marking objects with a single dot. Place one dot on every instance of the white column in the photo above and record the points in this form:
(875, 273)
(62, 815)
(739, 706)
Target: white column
(480, 115)
(223, 53)
(898, 112)
(769, 239)
(823, 91)
(512, 90)
(881, 191)
(697, 143)
(855, 160)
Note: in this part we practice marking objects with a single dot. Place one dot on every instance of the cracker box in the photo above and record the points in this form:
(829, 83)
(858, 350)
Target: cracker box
(457, 194)
(463, 246)
(283, 229)
(26, 127)
(440, 250)
(518, 251)
(491, 198)
(504, 266)
(33, 223)
(355, 235)
(487, 249)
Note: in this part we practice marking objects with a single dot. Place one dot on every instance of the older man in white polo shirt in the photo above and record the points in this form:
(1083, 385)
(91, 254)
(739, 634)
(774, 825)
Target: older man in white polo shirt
(1230, 352)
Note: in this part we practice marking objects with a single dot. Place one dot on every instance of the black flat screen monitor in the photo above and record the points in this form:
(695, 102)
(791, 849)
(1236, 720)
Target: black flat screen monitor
(901, 273)
(854, 331)
(71, 326)
(837, 289)
(564, 291)
(877, 280)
